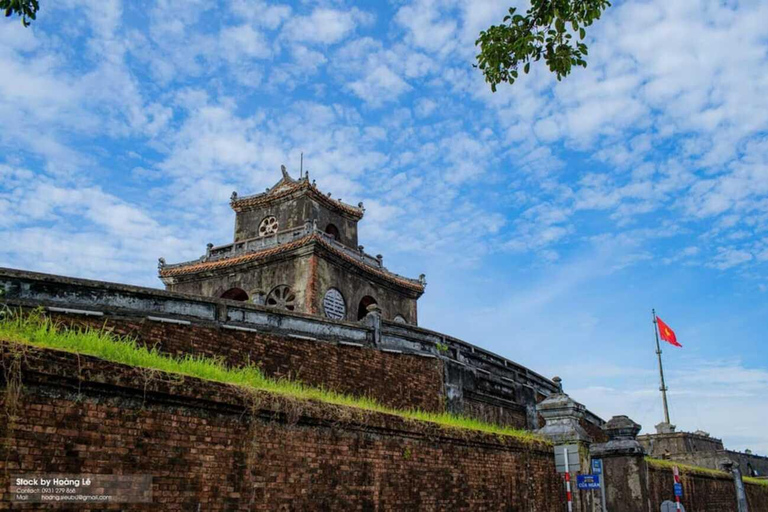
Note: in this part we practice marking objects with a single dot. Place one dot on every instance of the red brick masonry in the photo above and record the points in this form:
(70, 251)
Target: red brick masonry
(397, 380)
(212, 447)
(703, 493)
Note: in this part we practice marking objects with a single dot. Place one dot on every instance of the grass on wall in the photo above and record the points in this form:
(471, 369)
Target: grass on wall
(40, 331)
(752, 480)
(686, 468)
(698, 470)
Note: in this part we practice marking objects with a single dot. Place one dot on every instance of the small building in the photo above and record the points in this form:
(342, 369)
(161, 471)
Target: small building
(295, 248)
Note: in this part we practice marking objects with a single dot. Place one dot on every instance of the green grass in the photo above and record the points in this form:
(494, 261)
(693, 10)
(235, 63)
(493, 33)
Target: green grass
(686, 468)
(758, 481)
(37, 330)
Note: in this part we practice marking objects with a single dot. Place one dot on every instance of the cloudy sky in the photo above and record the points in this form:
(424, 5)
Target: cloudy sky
(549, 217)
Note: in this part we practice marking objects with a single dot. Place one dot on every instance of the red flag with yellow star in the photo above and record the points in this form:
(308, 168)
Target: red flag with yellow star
(666, 333)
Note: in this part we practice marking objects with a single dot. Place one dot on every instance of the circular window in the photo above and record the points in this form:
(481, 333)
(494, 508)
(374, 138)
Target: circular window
(268, 226)
(281, 297)
(400, 319)
(333, 304)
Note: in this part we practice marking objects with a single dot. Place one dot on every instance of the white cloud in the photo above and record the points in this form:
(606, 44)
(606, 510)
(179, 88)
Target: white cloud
(325, 26)
(379, 86)
(243, 41)
(426, 27)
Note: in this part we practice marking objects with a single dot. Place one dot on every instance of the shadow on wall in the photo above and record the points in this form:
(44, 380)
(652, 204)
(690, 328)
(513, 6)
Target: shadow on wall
(362, 310)
(235, 294)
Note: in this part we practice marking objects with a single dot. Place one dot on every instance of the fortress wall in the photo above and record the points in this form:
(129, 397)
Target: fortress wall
(493, 410)
(397, 364)
(703, 492)
(397, 380)
(757, 496)
(700, 450)
(209, 446)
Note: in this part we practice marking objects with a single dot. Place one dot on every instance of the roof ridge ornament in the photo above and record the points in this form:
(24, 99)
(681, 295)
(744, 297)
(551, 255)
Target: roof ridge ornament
(286, 176)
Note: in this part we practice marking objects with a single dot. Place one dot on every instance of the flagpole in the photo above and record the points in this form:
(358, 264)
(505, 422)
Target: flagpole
(663, 387)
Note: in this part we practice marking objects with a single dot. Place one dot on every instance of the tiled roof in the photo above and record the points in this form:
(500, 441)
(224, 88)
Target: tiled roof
(193, 268)
(288, 188)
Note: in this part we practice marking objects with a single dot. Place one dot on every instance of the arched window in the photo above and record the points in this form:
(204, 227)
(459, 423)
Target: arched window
(235, 294)
(281, 297)
(362, 310)
(268, 226)
(332, 230)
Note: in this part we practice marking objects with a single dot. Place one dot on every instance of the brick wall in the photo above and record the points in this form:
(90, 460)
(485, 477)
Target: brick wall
(397, 380)
(757, 496)
(491, 411)
(210, 447)
(703, 493)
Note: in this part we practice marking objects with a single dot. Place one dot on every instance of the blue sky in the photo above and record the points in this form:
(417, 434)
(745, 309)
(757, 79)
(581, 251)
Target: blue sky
(549, 217)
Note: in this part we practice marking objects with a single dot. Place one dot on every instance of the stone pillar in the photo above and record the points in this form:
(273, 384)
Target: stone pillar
(373, 320)
(562, 416)
(625, 472)
(741, 493)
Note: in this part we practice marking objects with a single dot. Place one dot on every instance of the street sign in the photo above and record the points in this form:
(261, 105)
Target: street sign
(588, 481)
(573, 456)
(597, 466)
(679, 490)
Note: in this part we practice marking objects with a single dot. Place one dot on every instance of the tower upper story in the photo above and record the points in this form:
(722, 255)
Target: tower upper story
(295, 248)
(288, 205)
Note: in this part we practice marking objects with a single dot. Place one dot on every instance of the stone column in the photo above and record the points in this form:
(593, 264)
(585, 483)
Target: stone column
(741, 493)
(563, 417)
(373, 319)
(625, 472)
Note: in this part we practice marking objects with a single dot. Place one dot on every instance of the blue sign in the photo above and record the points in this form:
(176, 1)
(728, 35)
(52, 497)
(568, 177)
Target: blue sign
(597, 466)
(588, 481)
(679, 490)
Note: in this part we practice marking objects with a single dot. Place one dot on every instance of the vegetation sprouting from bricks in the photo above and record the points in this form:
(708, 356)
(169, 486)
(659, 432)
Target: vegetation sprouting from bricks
(38, 330)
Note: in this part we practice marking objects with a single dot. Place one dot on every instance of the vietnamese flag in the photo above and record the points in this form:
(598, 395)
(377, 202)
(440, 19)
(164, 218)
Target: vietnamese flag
(666, 333)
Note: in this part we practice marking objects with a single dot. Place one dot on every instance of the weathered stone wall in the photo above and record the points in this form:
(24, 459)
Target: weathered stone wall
(703, 492)
(210, 447)
(396, 380)
(331, 273)
(293, 214)
(257, 281)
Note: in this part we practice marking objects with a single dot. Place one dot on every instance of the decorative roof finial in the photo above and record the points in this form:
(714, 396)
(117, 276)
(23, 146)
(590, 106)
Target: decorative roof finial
(360, 205)
(285, 172)
(233, 197)
(423, 280)
(160, 263)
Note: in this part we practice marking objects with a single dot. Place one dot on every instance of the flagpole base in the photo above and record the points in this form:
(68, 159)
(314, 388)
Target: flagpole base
(665, 428)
